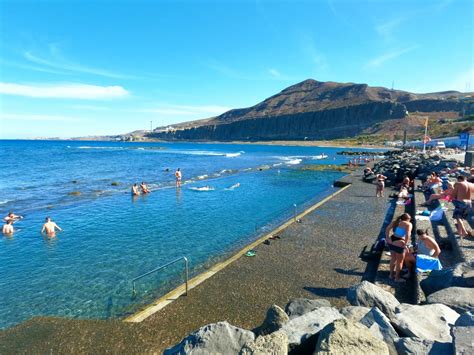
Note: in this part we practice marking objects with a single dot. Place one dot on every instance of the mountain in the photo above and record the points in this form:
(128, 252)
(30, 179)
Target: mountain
(314, 110)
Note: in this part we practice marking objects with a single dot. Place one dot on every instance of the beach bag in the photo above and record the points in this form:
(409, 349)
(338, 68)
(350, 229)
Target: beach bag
(437, 214)
(426, 263)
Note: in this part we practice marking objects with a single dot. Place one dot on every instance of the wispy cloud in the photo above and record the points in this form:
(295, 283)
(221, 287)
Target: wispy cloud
(274, 73)
(381, 59)
(64, 91)
(387, 29)
(314, 55)
(64, 65)
(186, 110)
(27, 117)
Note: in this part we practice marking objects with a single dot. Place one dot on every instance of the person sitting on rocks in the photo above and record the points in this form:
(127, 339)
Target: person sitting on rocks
(445, 195)
(427, 247)
(432, 182)
(397, 234)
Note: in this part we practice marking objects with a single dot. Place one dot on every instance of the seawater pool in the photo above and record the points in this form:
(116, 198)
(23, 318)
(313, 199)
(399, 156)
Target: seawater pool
(110, 237)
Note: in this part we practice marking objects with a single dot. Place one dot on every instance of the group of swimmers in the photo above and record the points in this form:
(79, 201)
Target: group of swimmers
(49, 227)
(143, 187)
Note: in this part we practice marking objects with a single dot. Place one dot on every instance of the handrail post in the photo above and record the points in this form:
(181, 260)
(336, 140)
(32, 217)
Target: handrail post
(186, 273)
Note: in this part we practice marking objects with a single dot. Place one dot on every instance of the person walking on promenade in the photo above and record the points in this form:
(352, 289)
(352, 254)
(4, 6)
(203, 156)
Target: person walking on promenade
(178, 176)
(397, 235)
(462, 201)
(380, 185)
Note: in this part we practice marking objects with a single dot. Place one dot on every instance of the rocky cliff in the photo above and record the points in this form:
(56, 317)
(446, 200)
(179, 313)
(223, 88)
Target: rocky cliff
(314, 110)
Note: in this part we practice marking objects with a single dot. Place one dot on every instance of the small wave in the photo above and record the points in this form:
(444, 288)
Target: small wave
(293, 161)
(92, 147)
(204, 188)
(202, 177)
(233, 155)
(4, 202)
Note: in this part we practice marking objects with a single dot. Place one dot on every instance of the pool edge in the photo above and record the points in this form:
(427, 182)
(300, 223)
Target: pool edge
(173, 295)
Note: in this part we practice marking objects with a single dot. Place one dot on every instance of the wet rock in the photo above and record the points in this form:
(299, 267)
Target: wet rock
(273, 321)
(275, 343)
(431, 321)
(465, 320)
(369, 295)
(417, 346)
(460, 275)
(301, 328)
(461, 299)
(213, 338)
(346, 337)
(299, 306)
(463, 342)
(354, 313)
(380, 326)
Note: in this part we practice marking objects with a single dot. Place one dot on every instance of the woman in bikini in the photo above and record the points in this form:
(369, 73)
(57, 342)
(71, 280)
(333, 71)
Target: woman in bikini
(380, 185)
(396, 235)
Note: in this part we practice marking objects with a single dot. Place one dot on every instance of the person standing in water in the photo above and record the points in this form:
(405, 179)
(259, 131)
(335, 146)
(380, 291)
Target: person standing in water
(144, 188)
(13, 217)
(178, 176)
(8, 228)
(135, 191)
(50, 228)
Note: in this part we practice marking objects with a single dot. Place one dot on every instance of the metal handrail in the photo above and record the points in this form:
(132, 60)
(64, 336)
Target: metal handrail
(186, 273)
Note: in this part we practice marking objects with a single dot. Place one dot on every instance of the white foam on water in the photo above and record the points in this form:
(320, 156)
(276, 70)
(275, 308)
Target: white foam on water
(200, 189)
(233, 155)
(293, 161)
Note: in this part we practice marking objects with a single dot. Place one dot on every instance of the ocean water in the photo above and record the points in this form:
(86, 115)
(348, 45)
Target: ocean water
(109, 237)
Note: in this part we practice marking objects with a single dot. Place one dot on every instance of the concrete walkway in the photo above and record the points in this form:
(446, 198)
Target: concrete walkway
(316, 258)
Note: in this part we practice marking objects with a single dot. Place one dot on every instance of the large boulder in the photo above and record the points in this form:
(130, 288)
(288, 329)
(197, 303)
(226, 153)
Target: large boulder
(417, 346)
(354, 313)
(369, 295)
(461, 299)
(460, 275)
(215, 338)
(380, 326)
(346, 337)
(299, 306)
(275, 343)
(301, 328)
(463, 340)
(465, 320)
(273, 321)
(431, 321)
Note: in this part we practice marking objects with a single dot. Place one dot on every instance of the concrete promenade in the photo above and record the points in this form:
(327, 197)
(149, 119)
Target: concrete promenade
(316, 258)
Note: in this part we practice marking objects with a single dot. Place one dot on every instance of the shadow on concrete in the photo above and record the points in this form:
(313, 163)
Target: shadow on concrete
(328, 292)
(352, 272)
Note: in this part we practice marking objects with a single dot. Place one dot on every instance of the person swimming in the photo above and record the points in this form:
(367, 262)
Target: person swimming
(50, 228)
(12, 216)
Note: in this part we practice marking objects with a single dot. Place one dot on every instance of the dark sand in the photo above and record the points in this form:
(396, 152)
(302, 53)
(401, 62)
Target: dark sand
(316, 258)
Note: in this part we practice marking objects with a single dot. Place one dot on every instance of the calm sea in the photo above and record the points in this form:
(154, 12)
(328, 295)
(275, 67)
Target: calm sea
(110, 237)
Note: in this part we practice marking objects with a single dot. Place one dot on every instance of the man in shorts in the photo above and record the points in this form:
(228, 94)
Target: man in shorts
(178, 176)
(462, 201)
(50, 228)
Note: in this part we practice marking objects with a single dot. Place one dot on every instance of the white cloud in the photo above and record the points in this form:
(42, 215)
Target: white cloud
(378, 61)
(187, 110)
(387, 29)
(26, 117)
(315, 56)
(64, 91)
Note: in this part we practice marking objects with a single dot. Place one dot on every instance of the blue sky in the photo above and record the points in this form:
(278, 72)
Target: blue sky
(76, 68)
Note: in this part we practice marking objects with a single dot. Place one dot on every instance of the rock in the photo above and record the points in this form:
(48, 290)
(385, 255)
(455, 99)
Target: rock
(461, 299)
(346, 337)
(354, 313)
(301, 328)
(299, 306)
(418, 346)
(461, 275)
(431, 321)
(213, 338)
(463, 340)
(273, 321)
(368, 295)
(275, 343)
(380, 326)
(465, 320)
